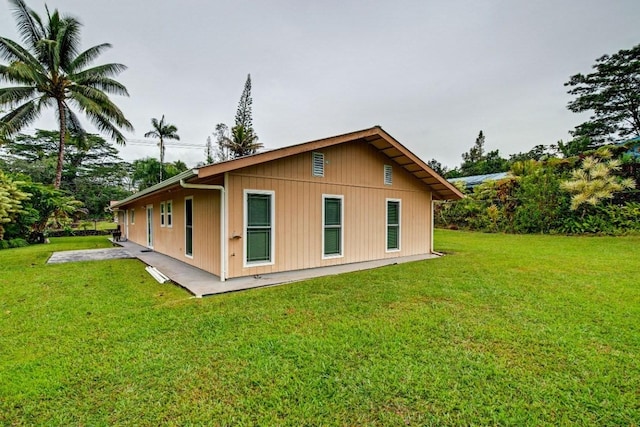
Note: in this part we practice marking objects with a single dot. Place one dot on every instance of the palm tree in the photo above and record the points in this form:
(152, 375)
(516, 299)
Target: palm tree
(162, 131)
(49, 72)
(243, 142)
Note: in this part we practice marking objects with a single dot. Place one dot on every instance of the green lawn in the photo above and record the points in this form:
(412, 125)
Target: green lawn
(508, 330)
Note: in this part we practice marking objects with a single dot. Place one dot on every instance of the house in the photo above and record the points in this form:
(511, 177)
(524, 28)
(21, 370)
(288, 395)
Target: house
(350, 198)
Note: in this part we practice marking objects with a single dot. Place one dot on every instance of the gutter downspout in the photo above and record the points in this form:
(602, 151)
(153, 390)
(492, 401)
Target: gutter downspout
(433, 214)
(223, 228)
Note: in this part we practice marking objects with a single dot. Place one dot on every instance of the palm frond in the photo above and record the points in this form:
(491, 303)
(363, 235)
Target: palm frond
(162, 130)
(29, 23)
(13, 52)
(23, 74)
(16, 95)
(88, 56)
(100, 105)
(95, 95)
(74, 126)
(103, 84)
(20, 117)
(104, 125)
(68, 42)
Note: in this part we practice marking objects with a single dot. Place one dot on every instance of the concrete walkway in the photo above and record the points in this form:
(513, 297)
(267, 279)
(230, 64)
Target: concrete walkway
(201, 283)
(89, 255)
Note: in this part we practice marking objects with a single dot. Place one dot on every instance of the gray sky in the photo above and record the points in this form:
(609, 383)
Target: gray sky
(432, 74)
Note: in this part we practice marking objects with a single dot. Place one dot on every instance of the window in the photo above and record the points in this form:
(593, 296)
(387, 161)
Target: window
(170, 213)
(259, 213)
(132, 216)
(188, 224)
(162, 215)
(388, 175)
(332, 226)
(317, 160)
(393, 225)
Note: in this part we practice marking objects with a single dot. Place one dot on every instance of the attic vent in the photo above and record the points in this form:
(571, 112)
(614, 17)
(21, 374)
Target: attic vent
(317, 164)
(388, 175)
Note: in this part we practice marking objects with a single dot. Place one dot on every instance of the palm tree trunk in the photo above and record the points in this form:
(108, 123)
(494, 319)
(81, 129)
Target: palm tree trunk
(63, 131)
(161, 155)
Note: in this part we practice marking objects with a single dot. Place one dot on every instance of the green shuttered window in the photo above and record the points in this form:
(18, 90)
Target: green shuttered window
(393, 225)
(259, 227)
(332, 226)
(188, 225)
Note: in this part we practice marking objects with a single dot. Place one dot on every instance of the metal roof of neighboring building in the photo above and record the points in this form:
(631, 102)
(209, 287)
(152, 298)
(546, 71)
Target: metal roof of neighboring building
(472, 181)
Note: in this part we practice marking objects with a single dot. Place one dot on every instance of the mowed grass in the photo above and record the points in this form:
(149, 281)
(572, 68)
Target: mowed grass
(508, 330)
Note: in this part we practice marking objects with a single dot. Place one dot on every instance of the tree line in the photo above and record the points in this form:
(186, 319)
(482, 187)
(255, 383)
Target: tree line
(586, 185)
(55, 176)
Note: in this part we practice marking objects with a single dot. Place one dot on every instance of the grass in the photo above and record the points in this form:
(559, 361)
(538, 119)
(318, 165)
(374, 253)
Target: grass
(508, 330)
(98, 225)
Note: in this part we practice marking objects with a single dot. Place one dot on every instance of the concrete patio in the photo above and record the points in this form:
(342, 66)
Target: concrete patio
(201, 283)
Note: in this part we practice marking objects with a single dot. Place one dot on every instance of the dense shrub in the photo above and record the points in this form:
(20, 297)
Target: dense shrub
(533, 201)
(13, 243)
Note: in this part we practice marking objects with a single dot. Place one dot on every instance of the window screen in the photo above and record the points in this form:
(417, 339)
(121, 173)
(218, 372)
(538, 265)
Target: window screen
(259, 227)
(393, 225)
(188, 215)
(332, 226)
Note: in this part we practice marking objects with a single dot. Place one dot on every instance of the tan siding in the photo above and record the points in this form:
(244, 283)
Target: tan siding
(354, 163)
(298, 208)
(171, 240)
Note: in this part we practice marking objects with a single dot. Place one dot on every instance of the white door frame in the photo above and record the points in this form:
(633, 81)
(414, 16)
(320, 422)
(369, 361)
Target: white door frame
(126, 224)
(150, 226)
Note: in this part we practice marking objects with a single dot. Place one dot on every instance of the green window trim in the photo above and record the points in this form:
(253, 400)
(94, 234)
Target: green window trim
(259, 227)
(332, 226)
(393, 225)
(188, 225)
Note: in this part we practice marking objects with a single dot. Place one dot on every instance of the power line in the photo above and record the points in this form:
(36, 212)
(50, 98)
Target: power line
(167, 145)
(149, 142)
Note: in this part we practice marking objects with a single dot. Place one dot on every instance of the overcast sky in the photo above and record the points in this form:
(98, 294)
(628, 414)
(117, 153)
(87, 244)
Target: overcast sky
(431, 73)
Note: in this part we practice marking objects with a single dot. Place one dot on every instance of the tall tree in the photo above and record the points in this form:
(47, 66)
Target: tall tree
(437, 166)
(223, 142)
(49, 71)
(208, 152)
(145, 172)
(162, 131)
(612, 94)
(244, 116)
(93, 171)
(475, 153)
(476, 162)
(243, 140)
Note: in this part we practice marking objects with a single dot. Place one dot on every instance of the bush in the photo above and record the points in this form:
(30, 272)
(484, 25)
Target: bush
(13, 243)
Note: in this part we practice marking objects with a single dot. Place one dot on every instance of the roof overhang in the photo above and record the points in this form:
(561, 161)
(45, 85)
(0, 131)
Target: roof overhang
(376, 137)
(167, 183)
